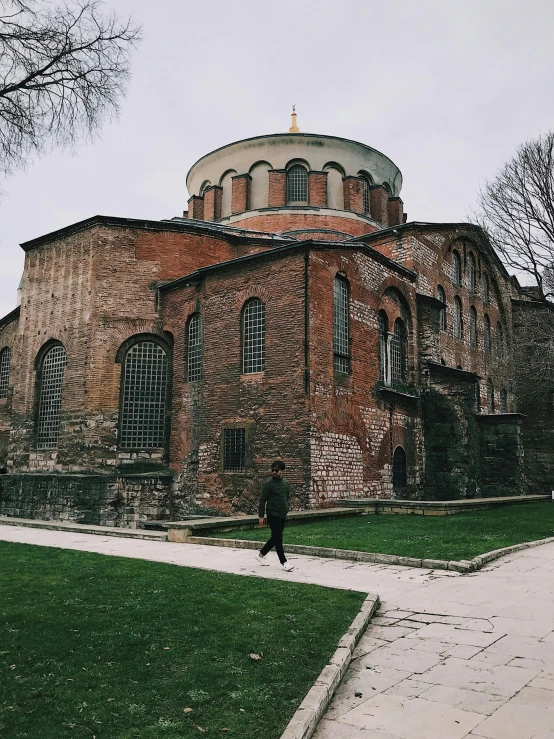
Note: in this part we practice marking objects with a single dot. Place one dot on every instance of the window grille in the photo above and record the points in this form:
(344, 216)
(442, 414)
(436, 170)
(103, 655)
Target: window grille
(485, 287)
(234, 450)
(365, 195)
(487, 335)
(457, 323)
(471, 273)
(50, 397)
(473, 327)
(456, 269)
(490, 397)
(194, 348)
(398, 352)
(340, 326)
(399, 471)
(297, 184)
(144, 392)
(499, 341)
(383, 337)
(5, 357)
(503, 401)
(253, 337)
(442, 297)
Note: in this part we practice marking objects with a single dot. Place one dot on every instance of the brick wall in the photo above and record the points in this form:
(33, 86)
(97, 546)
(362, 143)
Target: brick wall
(317, 188)
(282, 222)
(277, 188)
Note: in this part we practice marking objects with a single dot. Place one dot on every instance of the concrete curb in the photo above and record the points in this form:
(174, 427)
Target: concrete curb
(306, 718)
(84, 528)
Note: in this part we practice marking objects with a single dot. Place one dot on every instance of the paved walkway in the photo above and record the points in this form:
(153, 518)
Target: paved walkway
(448, 657)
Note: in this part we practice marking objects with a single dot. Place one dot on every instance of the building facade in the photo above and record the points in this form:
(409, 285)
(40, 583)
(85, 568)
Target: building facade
(155, 369)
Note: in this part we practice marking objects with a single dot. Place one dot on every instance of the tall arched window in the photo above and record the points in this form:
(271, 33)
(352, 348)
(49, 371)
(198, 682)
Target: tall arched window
(471, 273)
(487, 334)
(398, 352)
(143, 397)
(297, 184)
(457, 323)
(383, 341)
(365, 194)
(490, 396)
(500, 350)
(485, 288)
(194, 348)
(441, 295)
(473, 327)
(503, 400)
(253, 337)
(341, 332)
(52, 370)
(456, 269)
(399, 471)
(5, 357)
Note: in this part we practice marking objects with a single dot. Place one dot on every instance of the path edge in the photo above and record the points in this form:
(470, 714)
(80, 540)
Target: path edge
(308, 714)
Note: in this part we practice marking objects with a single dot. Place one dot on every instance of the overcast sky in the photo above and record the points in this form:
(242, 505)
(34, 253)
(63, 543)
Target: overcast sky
(446, 88)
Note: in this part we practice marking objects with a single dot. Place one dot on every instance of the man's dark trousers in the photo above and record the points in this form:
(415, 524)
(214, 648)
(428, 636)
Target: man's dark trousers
(276, 525)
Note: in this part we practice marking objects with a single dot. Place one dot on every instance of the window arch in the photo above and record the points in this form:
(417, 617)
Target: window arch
(383, 343)
(473, 327)
(458, 323)
(52, 370)
(500, 348)
(503, 400)
(471, 273)
(456, 269)
(142, 423)
(441, 295)
(398, 352)
(297, 184)
(485, 288)
(194, 348)
(487, 334)
(341, 329)
(490, 396)
(5, 358)
(399, 469)
(253, 337)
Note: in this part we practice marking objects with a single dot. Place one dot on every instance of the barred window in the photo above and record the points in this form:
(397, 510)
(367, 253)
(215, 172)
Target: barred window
(50, 397)
(485, 287)
(383, 340)
(487, 335)
(341, 361)
(398, 352)
(5, 357)
(473, 327)
(490, 397)
(457, 323)
(234, 450)
(253, 356)
(471, 273)
(441, 295)
(503, 400)
(142, 423)
(399, 471)
(500, 349)
(297, 184)
(456, 269)
(365, 194)
(194, 348)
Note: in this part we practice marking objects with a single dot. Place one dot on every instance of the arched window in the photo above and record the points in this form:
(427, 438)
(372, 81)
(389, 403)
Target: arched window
(441, 295)
(52, 370)
(456, 269)
(253, 337)
(485, 288)
(194, 348)
(490, 396)
(398, 352)
(399, 471)
(143, 397)
(365, 194)
(487, 334)
(471, 273)
(5, 357)
(297, 184)
(473, 327)
(383, 342)
(503, 400)
(341, 333)
(458, 323)
(500, 349)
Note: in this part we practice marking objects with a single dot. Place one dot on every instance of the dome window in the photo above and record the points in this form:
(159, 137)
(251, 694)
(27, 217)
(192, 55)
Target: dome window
(297, 184)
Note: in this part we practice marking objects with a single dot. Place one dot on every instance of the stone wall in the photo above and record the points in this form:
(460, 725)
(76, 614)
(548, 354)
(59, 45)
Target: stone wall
(502, 467)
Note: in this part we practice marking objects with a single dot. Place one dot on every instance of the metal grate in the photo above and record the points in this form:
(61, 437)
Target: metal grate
(234, 450)
(5, 356)
(142, 423)
(297, 184)
(383, 330)
(254, 337)
(471, 273)
(490, 397)
(365, 195)
(456, 269)
(398, 352)
(399, 471)
(340, 326)
(194, 348)
(473, 327)
(441, 295)
(457, 323)
(487, 335)
(50, 399)
(485, 287)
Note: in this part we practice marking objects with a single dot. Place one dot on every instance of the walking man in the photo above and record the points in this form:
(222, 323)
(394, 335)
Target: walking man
(274, 505)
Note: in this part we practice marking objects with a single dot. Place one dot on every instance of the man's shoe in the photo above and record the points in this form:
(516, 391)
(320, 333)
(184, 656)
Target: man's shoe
(260, 559)
(288, 567)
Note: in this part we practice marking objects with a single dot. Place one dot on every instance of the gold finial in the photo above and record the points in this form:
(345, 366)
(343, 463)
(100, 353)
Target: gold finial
(294, 128)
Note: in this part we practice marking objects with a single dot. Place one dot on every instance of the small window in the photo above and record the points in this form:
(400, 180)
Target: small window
(399, 471)
(253, 333)
(490, 397)
(297, 184)
(485, 288)
(456, 269)
(503, 400)
(473, 327)
(50, 397)
(341, 361)
(5, 357)
(234, 450)
(194, 348)
(398, 352)
(500, 349)
(365, 195)
(457, 323)
(471, 273)
(441, 295)
(487, 335)
(383, 343)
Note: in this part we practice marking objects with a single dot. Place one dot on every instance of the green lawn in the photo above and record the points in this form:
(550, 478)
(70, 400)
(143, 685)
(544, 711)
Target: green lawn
(461, 536)
(113, 648)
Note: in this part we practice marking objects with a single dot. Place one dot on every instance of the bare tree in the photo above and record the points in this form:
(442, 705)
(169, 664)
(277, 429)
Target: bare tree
(516, 209)
(63, 70)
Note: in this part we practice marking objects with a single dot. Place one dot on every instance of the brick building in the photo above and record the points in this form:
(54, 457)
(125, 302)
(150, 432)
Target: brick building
(154, 369)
